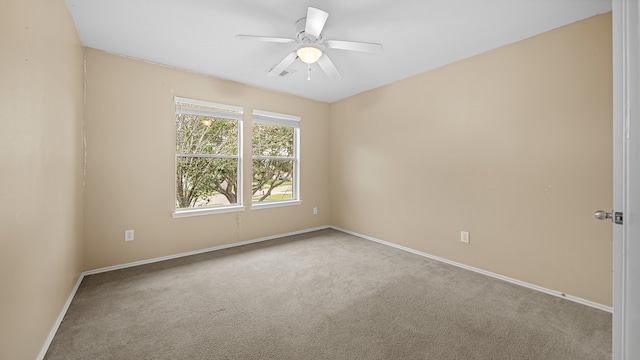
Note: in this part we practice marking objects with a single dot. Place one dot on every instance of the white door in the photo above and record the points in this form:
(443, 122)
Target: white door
(626, 179)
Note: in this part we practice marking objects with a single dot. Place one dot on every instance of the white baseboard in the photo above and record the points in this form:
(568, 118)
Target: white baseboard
(200, 251)
(53, 331)
(56, 325)
(484, 272)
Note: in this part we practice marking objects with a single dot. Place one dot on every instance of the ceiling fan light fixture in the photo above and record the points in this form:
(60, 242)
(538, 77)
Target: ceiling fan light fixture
(309, 54)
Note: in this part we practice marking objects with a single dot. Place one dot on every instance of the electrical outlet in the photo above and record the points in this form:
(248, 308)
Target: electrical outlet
(315, 211)
(464, 237)
(128, 235)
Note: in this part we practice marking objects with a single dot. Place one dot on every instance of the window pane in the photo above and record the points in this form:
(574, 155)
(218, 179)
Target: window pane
(206, 135)
(272, 140)
(272, 180)
(206, 182)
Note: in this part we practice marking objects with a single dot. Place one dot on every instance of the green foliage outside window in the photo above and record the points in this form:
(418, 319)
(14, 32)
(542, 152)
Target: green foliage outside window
(207, 161)
(274, 142)
(202, 171)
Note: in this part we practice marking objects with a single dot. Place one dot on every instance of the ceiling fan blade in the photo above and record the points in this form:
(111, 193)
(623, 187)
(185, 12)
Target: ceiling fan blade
(354, 46)
(316, 19)
(327, 66)
(266, 38)
(283, 64)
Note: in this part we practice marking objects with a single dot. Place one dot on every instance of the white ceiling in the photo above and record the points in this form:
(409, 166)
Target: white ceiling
(417, 35)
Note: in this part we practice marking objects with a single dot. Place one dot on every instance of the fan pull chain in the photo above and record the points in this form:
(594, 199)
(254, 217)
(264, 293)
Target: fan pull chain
(308, 71)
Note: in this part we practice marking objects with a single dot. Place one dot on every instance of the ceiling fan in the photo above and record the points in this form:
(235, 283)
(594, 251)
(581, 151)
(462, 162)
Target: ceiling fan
(309, 36)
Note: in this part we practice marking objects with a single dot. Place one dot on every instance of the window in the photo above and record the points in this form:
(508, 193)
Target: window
(208, 156)
(276, 160)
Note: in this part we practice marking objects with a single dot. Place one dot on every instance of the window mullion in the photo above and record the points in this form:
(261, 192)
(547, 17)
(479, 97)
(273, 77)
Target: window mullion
(209, 156)
(273, 158)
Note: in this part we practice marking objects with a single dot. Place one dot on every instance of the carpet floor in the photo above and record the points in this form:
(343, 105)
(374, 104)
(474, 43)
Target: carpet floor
(320, 295)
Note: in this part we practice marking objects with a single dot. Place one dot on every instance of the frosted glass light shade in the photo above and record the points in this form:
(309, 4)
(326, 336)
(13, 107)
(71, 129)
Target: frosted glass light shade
(309, 54)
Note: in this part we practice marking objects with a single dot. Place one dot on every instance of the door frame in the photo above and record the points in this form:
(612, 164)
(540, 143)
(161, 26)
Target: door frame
(626, 179)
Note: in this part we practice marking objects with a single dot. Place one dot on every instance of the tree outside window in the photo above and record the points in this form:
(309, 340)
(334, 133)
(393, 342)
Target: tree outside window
(207, 155)
(275, 159)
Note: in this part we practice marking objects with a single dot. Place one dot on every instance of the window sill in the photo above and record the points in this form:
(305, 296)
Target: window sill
(274, 204)
(206, 211)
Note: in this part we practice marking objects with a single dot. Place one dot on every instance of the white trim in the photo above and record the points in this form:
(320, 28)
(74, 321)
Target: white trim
(278, 158)
(267, 117)
(620, 105)
(209, 156)
(274, 203)
(296, 163)
(201, 251)
(271, 114)
(236, 115)
(484, 272)
(276, 115)
(206, 211)
(56, 325)
(239, 171)
(209, 113)
(65, 308)
(210, 104)
(626, 173)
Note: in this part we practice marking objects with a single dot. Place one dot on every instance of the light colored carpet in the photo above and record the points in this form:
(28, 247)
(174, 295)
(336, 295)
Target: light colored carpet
(322, 295)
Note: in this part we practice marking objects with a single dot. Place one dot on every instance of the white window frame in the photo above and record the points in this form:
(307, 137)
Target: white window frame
(232, 113)
(278, 119)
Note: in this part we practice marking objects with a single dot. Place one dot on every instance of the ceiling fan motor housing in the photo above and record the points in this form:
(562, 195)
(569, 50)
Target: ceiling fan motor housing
(301, 34)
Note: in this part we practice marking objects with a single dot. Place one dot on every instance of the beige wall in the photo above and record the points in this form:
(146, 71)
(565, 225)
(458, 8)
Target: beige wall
(130, 131)
(41, 167)
(513, 145)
